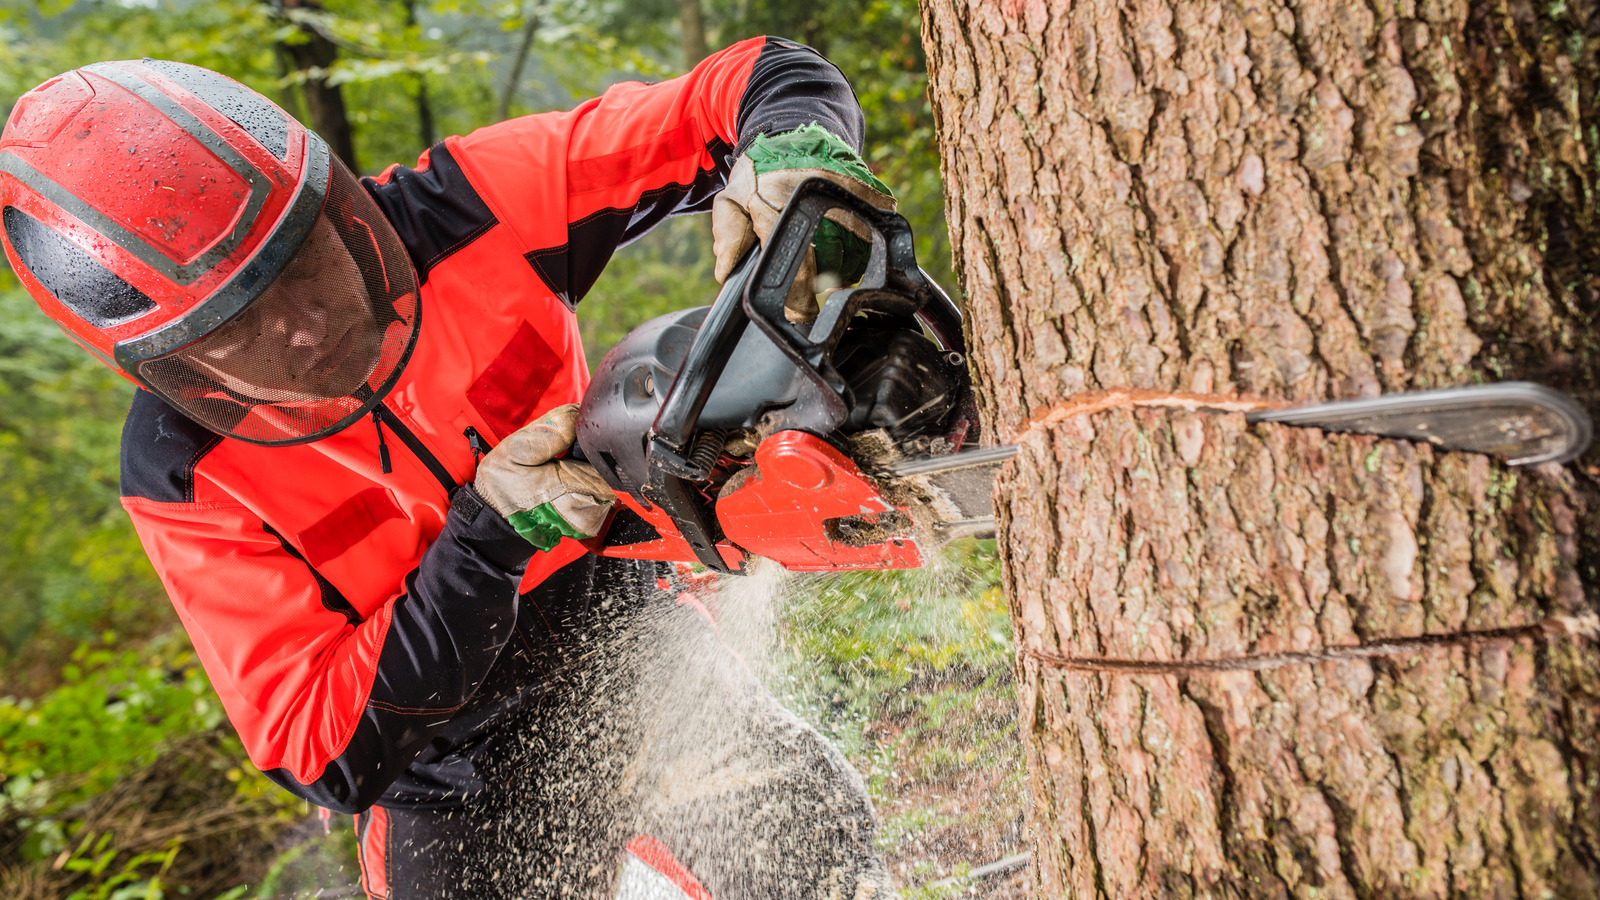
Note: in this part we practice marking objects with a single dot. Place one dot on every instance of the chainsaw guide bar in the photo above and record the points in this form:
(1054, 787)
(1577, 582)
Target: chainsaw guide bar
(957, 491)
(1518, 421)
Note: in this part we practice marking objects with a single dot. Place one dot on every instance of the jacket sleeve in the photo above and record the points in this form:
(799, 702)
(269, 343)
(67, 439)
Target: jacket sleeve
(331, 705)
(574, 186)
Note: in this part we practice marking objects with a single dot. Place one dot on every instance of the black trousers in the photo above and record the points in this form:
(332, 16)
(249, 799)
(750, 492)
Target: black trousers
(657, 735)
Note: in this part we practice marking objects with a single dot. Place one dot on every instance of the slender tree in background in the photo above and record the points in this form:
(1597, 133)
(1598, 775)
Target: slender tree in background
(530, 29)
(311, 54)
(691, 18)
(1307, 201)
(426, 135)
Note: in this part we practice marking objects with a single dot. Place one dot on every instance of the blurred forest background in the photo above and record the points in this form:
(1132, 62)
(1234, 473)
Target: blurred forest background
(119, 776)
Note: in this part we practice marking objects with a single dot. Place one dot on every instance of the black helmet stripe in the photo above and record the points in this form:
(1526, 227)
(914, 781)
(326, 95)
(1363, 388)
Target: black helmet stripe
(96, 294)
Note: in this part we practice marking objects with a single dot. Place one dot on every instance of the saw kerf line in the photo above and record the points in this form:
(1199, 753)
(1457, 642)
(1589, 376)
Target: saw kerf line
(1101, 401)
(1582, 627)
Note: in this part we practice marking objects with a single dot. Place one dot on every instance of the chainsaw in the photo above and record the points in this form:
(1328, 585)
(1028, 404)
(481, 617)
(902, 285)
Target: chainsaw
(853, 441)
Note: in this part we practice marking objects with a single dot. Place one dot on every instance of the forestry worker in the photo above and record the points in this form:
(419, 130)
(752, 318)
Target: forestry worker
(342, 461)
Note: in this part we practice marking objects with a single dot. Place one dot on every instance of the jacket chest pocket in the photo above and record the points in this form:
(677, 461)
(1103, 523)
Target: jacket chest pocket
(507, 393)
(350, 522)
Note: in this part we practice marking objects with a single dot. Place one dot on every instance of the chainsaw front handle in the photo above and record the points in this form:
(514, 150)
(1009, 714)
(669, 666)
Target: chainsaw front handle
(893, 284)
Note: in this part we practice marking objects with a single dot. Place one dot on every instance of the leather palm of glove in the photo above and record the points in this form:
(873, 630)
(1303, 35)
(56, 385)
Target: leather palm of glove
(761, 182)
(544, 498)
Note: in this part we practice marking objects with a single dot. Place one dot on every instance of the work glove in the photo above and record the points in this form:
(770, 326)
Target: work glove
(544, 498)
(761, 182)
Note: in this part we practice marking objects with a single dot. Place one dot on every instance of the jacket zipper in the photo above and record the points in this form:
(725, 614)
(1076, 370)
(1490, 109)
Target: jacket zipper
(382, 413)
(480, 447)
(383, 449)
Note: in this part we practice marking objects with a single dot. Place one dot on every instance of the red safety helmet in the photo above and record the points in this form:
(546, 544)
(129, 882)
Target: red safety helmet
(196, 238)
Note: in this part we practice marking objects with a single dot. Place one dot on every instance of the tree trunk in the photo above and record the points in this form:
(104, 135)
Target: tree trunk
(425, 129)
(691, 17)
(1309, 201)
(325, 102)
(530, 29)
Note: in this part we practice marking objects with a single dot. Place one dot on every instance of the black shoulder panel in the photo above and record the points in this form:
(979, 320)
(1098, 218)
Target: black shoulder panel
(792, 85)
(571, 269)
(435, 211)
(160, 448)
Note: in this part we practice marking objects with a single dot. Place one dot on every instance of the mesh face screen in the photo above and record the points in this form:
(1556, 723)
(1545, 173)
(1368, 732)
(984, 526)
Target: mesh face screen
(318, 348)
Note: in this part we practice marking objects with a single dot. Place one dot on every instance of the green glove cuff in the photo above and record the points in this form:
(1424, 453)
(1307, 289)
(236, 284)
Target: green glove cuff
(543, 527)
(811, 147)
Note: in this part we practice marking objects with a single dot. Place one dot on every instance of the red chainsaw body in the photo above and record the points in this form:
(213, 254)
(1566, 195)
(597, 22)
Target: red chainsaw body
(785, 507)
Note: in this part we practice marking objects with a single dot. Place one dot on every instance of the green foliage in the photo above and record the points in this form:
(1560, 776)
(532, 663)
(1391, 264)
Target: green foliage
(910, 674)
(669, 269)
(44, 39)
(114, 712)
(127, 733)
(867, 636)
(892, 624)
(885, 63)
(69, 561)
(129, 882)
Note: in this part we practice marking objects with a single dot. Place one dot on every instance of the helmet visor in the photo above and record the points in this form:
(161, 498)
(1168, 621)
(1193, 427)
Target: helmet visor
(318, 348)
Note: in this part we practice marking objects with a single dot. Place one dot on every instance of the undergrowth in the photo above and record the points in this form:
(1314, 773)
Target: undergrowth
(909, 672)
(125, 781)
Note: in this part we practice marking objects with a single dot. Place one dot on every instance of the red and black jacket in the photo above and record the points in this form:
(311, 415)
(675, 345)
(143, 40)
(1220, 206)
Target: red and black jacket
(355, 623)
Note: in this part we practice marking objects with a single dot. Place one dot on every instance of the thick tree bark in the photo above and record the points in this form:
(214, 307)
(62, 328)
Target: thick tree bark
(1305, 201)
